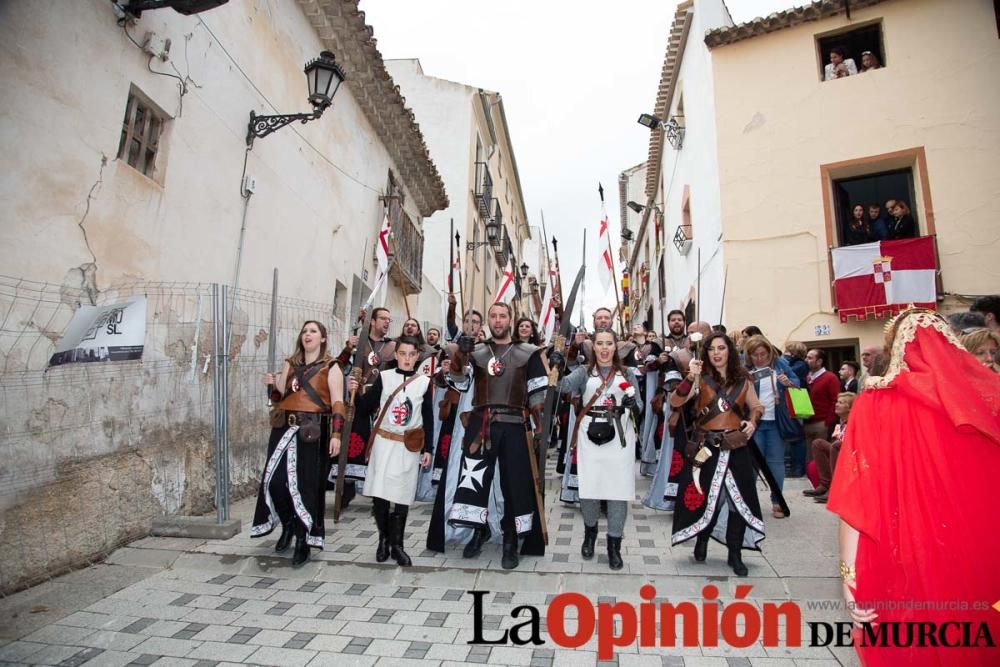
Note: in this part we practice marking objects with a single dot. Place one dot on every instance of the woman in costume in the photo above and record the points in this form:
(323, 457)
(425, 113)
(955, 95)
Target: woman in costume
(308, 418)
(717, 494)
(915, 492)
(604, 439)
(401, 405)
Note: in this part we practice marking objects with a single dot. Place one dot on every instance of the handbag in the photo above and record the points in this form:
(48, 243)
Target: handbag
(277, 417)
(586, 409)
(310, 425)
(413, 439)
(600, 430)
(789, 428)
(799, 404)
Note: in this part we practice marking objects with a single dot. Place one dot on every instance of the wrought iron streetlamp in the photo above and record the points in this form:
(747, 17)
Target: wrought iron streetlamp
(673, 128)
(324, 77)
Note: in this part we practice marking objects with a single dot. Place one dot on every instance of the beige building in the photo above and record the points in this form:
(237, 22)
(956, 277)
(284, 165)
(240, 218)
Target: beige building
(127, 173)
(795, 152)
(466, 131)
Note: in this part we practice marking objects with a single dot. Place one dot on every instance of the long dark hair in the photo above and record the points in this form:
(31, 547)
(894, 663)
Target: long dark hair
(616, 361)
(734, 369)
(298, 358)
(534, 338)
(421, 341)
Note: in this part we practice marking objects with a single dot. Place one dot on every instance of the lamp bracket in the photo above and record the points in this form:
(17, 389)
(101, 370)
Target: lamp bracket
(261, 126)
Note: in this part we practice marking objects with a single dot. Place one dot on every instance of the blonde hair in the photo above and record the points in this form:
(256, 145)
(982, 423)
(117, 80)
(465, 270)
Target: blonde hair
(796, 349)
(976, 338)
(757, 341)
(850, 395)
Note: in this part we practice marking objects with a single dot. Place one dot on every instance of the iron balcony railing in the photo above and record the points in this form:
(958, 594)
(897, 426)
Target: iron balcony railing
(484, 190)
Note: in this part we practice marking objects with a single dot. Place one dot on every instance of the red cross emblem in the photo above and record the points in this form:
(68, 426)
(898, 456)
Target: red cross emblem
(401, 413)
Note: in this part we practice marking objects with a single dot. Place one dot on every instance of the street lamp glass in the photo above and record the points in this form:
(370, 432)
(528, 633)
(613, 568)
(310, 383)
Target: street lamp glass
(649, 120)
(635, 206)
(324, 77)
(492, 232)
(524, 269)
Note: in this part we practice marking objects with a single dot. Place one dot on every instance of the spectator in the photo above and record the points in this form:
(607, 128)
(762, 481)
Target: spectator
(795, 355)
(877, 224)
(903, 226)
(823, 391)
(857, 231)
(965, 321)
(825, 451)
(983, 344)
(869, 61)
(867, 360)
(889, 205)
(989, 306)
(839, 66)
(719, 328)
(849, 372)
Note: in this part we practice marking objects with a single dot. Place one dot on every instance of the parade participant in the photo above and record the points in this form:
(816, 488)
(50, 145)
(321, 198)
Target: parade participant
(604, 438)
(726, 413)
(676, 335)
(641, 353)
(508, 382)
(582, 342)
(434, 338)
(399, 403)
(915, 491)
(526, 331)
(380, 355)
(704, 328)
(472, 322)
(428, 356)
(771, 375)
(309, 402)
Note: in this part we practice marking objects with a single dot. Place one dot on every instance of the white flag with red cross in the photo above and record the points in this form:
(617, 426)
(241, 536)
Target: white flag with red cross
(882, 278)
(507, 289)
(547, 318)
(605, 268)
(382, 246)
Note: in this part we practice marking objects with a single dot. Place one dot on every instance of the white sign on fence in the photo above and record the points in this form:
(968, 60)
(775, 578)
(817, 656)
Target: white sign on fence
(104, 333)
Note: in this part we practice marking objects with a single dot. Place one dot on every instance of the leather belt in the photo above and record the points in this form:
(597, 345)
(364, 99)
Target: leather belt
(714, 438)
(389, 435)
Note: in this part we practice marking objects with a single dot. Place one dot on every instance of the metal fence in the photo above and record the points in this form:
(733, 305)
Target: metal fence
(93, 451)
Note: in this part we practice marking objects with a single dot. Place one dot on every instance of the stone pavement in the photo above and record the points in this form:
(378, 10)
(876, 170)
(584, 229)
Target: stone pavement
(171, 601)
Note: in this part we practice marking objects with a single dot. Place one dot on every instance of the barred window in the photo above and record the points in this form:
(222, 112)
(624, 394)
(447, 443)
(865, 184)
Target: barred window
(141, 131)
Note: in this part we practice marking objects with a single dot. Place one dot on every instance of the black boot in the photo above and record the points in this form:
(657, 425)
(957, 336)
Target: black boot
(589, 539)
(509, 559)
(734, 540)
(701, 546)
(350, 490)
(397, 524)
(381, 512)
(480, 536)
(286, 537)
(615, 561)
(301, 554)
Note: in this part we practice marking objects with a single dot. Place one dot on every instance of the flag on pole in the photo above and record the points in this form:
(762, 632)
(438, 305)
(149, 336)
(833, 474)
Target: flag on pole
(382, 246)
(604, 265)
(507, 289)
(626, 311)
(547, 318)
(883, 278)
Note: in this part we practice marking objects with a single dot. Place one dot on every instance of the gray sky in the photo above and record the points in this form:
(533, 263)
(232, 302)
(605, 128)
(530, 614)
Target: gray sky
(574, 76)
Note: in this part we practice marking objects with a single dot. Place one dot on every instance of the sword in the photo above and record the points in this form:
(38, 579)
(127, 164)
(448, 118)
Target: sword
(539, 500)
(345, 435)
(272, 338)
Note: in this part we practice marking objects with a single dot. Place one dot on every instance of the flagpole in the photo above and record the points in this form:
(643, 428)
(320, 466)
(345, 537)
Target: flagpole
(611, 256)
(583, 285)
(461, 288)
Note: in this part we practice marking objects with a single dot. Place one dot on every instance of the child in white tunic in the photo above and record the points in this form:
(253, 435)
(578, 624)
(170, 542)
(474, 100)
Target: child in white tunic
(604, 438)
(401, 401)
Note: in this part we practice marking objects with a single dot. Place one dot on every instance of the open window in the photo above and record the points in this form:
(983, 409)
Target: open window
(870, 191)
(860, 49)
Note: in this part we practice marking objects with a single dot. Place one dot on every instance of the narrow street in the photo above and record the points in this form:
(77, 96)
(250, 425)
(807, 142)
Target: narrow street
(170, 601)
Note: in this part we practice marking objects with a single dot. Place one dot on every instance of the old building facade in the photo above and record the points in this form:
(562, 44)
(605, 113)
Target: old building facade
(161, 205)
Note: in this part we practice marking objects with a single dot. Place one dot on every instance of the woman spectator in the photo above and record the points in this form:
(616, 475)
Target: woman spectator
(903, 226)
(604, 439)
(307, 424)
(857, 231)
(825, 452)
(869, 61)
(717, 492)
(839, 66)
(915, 487)
(526, 331)
(770, 374)
(983, 344)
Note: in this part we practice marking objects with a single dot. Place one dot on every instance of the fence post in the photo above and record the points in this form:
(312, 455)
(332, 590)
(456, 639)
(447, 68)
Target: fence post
(224, 463)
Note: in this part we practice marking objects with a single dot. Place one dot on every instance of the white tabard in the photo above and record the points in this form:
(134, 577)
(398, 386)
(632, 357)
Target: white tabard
(392, 470)
(606, 472)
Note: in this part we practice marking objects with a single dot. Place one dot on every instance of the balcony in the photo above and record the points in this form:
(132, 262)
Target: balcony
(682, 239)
(409, 250)
(498, 217)
(484, 190)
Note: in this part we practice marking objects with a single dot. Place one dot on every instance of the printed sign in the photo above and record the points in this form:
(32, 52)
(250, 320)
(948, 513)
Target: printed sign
(104, 333)
(822, 329)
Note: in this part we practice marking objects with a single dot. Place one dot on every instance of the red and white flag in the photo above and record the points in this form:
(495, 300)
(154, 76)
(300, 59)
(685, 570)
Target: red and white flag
(883, 278)
(547, 318)
(507, 289)
(604, 266)
(382, 246)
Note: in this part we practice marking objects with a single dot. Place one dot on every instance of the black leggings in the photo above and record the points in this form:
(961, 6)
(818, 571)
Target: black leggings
(382, 505)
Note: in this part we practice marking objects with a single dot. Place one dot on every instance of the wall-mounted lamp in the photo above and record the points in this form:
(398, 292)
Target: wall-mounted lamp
(636, 206)
(324, 77)
(673, 128)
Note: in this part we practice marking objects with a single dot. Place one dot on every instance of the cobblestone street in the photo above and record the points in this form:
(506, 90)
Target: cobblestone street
(171, 601)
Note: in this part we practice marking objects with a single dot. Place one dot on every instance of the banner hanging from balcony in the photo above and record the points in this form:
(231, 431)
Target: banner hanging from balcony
(881, 279)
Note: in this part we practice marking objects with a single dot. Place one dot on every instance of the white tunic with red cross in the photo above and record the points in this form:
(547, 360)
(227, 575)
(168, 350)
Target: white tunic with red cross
(392, 470)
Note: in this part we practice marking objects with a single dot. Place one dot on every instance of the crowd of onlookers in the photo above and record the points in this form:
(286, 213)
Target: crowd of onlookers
(840, 65)
(874, 224)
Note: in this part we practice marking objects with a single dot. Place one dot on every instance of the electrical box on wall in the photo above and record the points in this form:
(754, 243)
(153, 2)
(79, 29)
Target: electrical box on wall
(157, 46)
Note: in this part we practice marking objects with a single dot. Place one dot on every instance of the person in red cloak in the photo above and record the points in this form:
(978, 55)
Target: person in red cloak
(915, 488)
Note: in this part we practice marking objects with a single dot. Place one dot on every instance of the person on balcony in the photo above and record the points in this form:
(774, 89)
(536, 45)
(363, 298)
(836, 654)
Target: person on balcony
(902, 226)
(839, 66)
(858, 231)
(869, 61)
